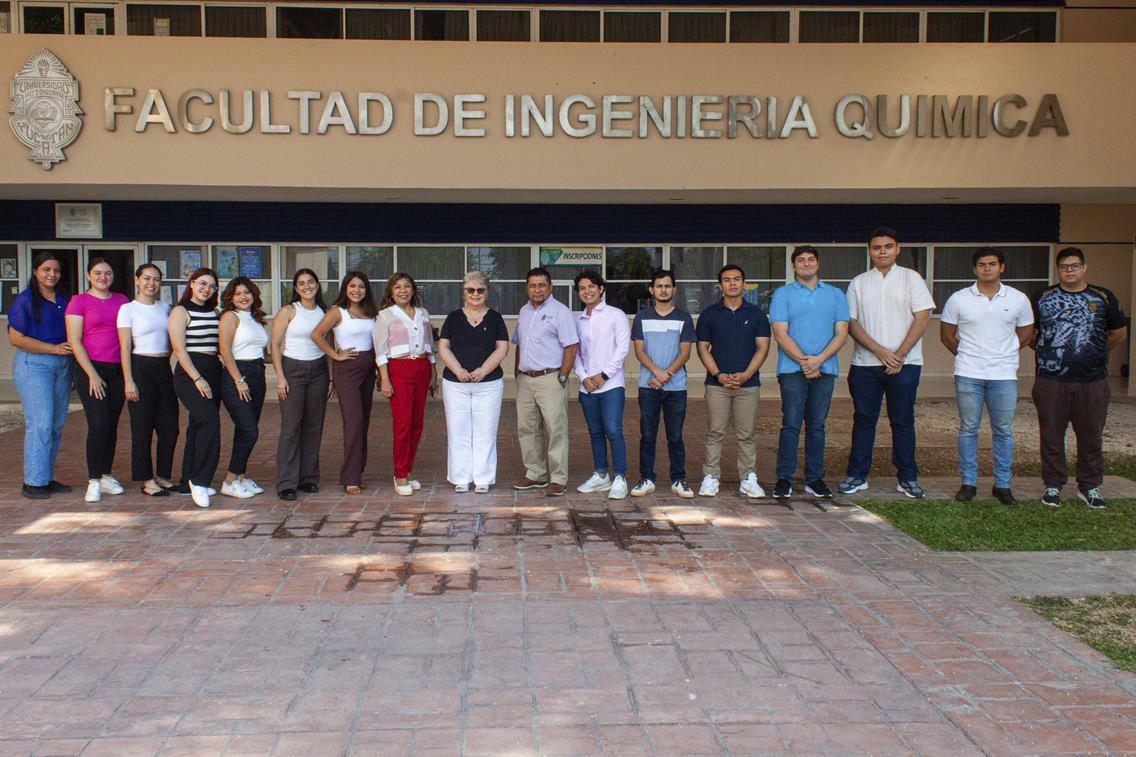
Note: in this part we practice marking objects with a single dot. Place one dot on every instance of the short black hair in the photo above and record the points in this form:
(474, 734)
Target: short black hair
(1071, 252)
(883, 231)
(986, 252)
(662, 273)
(592, 276)
(539, 271)
(730, 267)
(802, 249)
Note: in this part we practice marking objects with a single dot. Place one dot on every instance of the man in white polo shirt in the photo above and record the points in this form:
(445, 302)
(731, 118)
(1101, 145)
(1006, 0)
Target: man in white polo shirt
(984, 326)
(890, 307)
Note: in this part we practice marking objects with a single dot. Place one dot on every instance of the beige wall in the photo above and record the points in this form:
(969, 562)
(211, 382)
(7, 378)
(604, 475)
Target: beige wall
(1098, 21)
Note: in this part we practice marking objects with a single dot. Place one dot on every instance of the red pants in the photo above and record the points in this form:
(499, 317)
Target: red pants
(410, 380)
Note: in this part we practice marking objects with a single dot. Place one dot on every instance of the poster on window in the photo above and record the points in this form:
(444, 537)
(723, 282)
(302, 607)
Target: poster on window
(554, 257)
(8, 268)
(226, 262)
(95, 24)
(168, 294)
(5, 22)
(250, 263)
(161, 266)
(161, 27)
(190, 262)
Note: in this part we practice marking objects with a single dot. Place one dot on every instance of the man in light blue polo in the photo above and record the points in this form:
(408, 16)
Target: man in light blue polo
(810, 325)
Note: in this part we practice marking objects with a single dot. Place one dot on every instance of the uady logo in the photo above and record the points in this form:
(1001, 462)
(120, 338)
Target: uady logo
(46, 116)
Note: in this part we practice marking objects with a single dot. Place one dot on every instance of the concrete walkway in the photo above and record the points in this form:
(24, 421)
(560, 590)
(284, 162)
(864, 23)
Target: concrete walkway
(513, 623)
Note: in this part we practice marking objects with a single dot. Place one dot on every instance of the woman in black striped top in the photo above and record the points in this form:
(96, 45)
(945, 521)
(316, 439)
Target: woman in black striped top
(197, 381)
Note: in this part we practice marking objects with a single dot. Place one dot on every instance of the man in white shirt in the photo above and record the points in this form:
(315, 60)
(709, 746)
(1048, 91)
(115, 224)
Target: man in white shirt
(890, 307)
(984, 326)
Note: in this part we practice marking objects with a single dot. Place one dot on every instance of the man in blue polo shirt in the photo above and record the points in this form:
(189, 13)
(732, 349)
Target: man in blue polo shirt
(733, 340)
(810, 324)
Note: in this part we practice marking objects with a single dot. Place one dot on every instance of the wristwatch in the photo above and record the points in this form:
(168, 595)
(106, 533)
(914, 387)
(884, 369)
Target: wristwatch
(562, 378)
(605, 376)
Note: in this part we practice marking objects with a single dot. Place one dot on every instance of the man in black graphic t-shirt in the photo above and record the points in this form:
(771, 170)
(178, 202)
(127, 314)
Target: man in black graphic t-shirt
(1076, 325)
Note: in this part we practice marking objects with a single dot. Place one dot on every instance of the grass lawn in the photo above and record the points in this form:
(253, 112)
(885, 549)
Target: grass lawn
(1121, 466)
(987, 526)
(1107, 624)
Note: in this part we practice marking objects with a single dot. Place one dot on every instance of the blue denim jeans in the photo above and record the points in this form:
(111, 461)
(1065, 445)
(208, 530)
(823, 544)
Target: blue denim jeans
(1000, 398)
(44, 385)
(672, 407)
(803, 401)
(868, 386)
(604, 415)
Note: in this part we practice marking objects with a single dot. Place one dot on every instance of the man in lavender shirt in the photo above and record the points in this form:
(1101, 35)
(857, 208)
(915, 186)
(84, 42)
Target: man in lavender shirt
(546, 349)
(605, 338)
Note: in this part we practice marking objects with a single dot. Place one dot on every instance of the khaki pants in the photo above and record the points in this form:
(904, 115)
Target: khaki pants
(721, 405)
(542, 424)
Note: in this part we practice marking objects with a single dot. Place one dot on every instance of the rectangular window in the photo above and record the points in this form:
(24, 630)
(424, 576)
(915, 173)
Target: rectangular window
(839, 264)
(956, 27)
(321, 260)
(759, 26)
(632, 26)
(441, 24)
(9, 274)
(5, 17)
(569, 26)
(1027, 269)
(438, 272)
(891, 27)
(696, 272)
(167, 20)
(235, 21)
(253, 261)
(628, 276)
(689, 26)
(44, 20)
(378, 23)
(1022, 26)
(309, 23)
(506, 268)
(504, 26)
(373, 261)
(93, 21)
(764, 271)
(177, 262)
(829, 26)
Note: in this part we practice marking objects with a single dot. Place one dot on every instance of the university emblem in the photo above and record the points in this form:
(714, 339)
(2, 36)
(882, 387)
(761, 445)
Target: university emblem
(45, 108)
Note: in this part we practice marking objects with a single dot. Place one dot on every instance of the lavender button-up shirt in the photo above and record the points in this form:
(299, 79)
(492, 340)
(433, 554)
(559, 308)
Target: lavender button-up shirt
(543, 333)
(605, 338)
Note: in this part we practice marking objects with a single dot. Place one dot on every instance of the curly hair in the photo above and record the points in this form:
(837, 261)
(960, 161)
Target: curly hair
(388, 293)
(230, 292)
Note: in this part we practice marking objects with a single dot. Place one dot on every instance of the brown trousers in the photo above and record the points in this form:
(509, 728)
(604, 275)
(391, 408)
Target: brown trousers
(1085, 405)
(355, 387)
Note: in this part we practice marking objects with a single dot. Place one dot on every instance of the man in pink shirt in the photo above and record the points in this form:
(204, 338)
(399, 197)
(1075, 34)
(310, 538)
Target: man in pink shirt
(605, 338)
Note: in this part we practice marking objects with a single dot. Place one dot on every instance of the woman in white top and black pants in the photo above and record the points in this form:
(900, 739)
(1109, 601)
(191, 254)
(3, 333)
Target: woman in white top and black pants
(242, 337)
(143, 332)
(302, 384)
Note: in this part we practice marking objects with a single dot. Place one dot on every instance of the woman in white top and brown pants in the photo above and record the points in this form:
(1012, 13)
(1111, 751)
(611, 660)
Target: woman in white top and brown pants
(352, 318)
(243, 338)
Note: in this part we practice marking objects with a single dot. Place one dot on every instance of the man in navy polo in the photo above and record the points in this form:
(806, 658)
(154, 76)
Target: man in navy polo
(733, 340)
(810, 324)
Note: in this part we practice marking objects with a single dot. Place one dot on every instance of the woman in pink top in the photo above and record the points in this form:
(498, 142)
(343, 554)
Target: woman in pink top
(92, 332)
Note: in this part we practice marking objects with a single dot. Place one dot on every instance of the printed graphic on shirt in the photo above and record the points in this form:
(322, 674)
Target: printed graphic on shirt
(1073, 331)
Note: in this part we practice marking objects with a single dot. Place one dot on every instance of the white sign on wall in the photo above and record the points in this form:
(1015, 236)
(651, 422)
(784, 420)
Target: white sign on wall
(79, 220)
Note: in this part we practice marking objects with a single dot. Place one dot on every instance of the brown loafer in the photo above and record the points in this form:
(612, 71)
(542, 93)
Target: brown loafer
(555, 490)
(528, 483)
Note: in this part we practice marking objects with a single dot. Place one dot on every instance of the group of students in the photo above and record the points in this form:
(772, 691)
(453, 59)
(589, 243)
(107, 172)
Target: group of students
(118, 352)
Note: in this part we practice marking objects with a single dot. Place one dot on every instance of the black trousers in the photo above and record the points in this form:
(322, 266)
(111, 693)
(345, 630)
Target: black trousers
(245, 415)
(301, 422)
(203, 431)
(102, 415)
(156, 411)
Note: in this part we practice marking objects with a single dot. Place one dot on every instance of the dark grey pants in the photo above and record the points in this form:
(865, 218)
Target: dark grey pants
(301, 423)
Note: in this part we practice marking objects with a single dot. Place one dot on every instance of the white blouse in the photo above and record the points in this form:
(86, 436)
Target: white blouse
(399, 335)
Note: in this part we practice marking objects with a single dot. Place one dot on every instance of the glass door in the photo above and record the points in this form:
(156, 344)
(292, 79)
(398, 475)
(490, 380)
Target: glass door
(122, 258)
(72, 279)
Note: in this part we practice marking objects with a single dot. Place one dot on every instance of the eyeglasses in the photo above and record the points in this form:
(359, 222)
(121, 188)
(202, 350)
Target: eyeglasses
(205, 284)
(475, 290)
(1070, 266)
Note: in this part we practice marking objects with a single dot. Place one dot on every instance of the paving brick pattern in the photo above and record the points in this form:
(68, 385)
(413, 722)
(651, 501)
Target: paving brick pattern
(513, 623)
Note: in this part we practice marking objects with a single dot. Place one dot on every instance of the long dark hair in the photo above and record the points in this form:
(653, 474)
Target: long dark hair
(319, 288)
(257, 308)
(388, 297)
(33, 285)
(187, 295)
(367, 305)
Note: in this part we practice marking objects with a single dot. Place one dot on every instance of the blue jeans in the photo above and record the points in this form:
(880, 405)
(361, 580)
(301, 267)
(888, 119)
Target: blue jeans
(604, 415)
(1000, 398)
(672, 406)
(868, 386)
(44, 385)
(803, 401)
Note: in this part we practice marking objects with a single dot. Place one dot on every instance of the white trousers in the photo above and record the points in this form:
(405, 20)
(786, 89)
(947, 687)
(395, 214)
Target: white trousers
(472, 413)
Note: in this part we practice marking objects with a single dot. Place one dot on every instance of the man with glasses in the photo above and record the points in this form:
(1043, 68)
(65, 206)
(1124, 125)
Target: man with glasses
(1077, 323)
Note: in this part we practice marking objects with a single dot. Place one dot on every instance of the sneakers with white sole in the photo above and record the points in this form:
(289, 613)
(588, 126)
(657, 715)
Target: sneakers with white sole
(618, 488)
(596, 483)
(404, 490)
(709, 487)
(459, 488)
(481, 489)
(234, 489)
(200, 494)
(251, 485)
(851, 485)
(414, 484)
(643, 488)
(109, 484)
(681, 489)
(751, 488)
(94, 491)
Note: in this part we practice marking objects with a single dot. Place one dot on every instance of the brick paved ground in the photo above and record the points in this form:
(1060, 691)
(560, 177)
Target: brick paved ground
(516, 624)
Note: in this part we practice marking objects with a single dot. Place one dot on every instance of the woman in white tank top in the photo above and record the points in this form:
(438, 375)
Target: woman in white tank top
(352, 319)
(302, 384)
(243, 339)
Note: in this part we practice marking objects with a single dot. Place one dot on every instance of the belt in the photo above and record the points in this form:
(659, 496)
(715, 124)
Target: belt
(538, 374)
(419, 356)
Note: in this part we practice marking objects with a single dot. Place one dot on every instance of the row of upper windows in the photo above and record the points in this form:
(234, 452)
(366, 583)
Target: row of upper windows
(527, 24)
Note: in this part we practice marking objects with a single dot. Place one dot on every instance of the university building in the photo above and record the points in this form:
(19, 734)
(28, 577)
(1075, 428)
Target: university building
(437, 138)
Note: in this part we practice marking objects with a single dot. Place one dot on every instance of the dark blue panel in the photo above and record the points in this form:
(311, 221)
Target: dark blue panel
(564, 224)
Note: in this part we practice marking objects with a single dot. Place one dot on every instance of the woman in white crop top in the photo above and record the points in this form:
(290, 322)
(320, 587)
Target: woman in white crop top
(303, 385)
(352, 318)
(242, 338)
(144, 339)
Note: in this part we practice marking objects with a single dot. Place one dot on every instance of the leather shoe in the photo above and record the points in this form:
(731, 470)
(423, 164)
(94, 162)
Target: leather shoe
(287, 494)
(57, 488)
(966, 493)
(528, 483)
(555, 490)
(1005, 496)
(36, 492)
(309, 488)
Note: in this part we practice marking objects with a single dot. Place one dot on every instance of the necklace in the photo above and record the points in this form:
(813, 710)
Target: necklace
(474, 320)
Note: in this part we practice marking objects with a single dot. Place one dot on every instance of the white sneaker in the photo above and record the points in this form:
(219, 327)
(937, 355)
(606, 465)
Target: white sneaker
(94, 491)
(459, 488)
(235, 489)
(681, 489)
(414, 484)
(751, 488)
(109, 484)
(618, 488)
(481, 489)
(405, 490)
(709, 487)
(251, 485)
(211, 491)
(596, 483)
(643, 488)
(200, 494)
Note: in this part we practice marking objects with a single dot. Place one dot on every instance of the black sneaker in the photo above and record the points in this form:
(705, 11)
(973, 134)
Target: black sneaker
(287, 494)
(36, 492)
(910, 489)
(1092, 498)
(309, 488)
(57, 488)
(966, 493)
(818, 488)
(783, 488)
(1005, 496)
(1052, 497)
